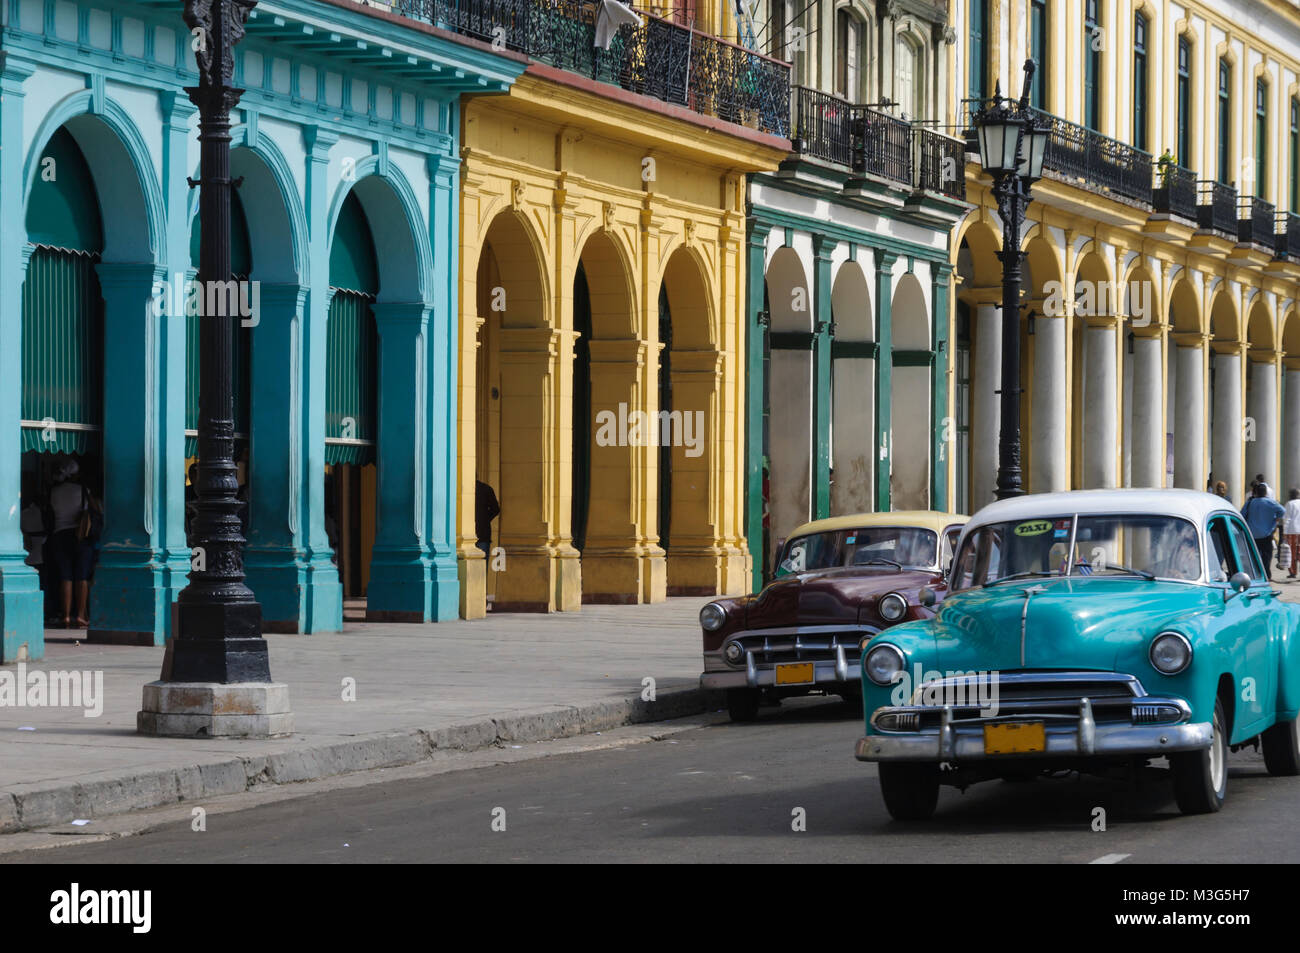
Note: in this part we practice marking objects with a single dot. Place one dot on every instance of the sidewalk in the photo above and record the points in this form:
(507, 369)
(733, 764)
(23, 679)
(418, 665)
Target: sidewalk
(508, 678)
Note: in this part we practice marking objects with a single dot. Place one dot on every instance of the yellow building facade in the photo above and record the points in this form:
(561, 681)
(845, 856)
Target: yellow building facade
(602, 283)
(1158, 318)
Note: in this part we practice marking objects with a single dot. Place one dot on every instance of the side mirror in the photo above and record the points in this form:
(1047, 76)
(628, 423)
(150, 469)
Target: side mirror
(1239, 582)
(926, 596)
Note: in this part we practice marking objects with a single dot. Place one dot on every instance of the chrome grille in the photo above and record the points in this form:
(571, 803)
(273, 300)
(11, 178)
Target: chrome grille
(803, 647)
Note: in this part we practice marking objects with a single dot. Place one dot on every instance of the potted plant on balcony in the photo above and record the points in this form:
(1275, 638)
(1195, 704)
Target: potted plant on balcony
(1166, 166)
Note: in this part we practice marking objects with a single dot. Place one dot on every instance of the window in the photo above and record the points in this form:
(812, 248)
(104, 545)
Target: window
(848, 48)
(1092, 44)
(978, 79)
(909, 86)
(1261, 138)
(1225, 121)
(1038, 51)
(1140, 82)
(1247, 555)
(1295, 153)
(1184, 102)
(780, 24)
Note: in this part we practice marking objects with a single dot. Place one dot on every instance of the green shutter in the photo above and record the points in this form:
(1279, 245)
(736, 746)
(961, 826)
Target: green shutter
(63, 340)
(351, 352)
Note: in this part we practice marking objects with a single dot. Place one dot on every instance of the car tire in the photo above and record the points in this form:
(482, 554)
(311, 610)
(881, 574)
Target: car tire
(1201, 777)
(1281, 745)
(742, 703)
(911, 791)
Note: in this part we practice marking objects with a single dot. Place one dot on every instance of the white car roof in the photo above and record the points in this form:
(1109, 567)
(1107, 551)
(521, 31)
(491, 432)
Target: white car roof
(1189, 504)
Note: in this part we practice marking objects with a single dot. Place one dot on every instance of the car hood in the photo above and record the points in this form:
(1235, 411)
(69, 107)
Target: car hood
(1076, 622)
(830, 596)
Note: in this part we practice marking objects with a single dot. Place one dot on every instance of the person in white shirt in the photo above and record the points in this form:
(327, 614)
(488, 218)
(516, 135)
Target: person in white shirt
(1291, 530)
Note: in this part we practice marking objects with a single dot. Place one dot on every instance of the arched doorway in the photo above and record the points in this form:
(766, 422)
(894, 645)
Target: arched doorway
(1261, 425)
(853, 393)
(789, 430)
(1145, 447)
(978, 367)
(351, 399)
(1290, 449)
(909, 391)
(1046, 420)
(62, 407)
(1097, 386)
(1225, 396)
(1187, 386)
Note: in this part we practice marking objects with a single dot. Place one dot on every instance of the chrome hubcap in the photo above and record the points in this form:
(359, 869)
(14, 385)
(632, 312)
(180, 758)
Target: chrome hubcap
(1218, 757)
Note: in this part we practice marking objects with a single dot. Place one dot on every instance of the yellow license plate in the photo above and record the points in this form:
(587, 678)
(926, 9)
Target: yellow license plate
(795, 673)
(1016, 738)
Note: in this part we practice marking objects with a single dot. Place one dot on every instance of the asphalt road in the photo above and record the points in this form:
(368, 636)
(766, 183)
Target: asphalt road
(725, 793)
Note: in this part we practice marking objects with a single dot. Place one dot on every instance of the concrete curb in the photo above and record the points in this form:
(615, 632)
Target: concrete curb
(29, 807)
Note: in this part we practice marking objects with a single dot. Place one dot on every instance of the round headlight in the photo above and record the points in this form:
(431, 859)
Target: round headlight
(884, 664)
(712, 616)
(891, 606)
(733, 652)
(1170, 653)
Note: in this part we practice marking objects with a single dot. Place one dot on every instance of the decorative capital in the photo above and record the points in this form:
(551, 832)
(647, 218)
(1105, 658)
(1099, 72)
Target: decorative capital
(949, 36)
(221, 26)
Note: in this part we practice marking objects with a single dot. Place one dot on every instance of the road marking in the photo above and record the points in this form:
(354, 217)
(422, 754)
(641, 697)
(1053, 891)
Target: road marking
(1110, 859)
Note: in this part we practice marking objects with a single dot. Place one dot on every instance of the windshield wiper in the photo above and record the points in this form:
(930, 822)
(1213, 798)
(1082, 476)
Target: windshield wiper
(1148, 576)
(1022, 575)
(880, 559)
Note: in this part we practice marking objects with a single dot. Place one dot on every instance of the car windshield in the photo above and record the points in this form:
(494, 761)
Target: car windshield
(907, 547)
(1161, 547)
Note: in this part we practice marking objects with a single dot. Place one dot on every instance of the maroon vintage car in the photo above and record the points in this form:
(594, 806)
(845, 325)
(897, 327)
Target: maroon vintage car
(838, 582)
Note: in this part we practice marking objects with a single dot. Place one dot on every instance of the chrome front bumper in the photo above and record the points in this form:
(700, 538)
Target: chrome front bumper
(963, 740)
(838, 669)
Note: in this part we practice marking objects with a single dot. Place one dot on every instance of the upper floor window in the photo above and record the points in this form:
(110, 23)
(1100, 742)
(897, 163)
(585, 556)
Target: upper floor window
(1038, 40)
(978, 48)
(1140, 117)
(910, 85)
(1093, 41)
(1295, 154)
(1224, 169)
(780, 24)
(1184, 102)
(848, 56)
(1261, 138)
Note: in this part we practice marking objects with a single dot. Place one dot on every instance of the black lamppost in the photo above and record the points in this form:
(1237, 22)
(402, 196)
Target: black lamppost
(1012, 145)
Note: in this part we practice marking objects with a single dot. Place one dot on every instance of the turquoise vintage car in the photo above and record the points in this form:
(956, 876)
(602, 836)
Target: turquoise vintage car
(1090, 631)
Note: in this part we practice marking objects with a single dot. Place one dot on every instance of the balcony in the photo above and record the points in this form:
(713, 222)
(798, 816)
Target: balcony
(871, 142)
(1175, 192)
(1216, 206)
(1097, 162)
(661, 59)
(1256, 222)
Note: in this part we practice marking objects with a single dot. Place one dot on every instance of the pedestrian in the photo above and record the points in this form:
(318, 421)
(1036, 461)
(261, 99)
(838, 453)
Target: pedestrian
(1291, 529)
(71, 545)
(1268, 490)
(1263, 516)
(1221, 489)
(486, 509)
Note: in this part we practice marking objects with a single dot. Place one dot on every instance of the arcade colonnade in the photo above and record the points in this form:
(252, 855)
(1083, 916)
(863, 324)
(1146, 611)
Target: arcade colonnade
(1145, 363)
(348, 202)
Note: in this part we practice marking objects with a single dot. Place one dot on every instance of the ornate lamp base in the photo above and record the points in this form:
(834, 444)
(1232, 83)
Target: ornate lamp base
(214, 710)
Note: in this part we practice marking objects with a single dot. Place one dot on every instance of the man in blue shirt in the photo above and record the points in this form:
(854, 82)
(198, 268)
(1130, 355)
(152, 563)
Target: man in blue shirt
(1262, 517)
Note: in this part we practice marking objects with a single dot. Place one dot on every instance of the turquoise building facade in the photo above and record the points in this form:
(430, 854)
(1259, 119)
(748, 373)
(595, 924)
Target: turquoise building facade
(347, 148)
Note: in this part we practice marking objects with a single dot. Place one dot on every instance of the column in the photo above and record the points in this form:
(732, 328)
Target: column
(697, 561)
(1147, 444)
(942, 427)
(1100, 403)
(821, 356)
(1050, 433)
(401, 581)
(1189, 412)
(1290, 442)
(884, 373)
(986, 380)
(297, 594)
(755, 341)
(131, 599)
(613, 559)
(1261, 444)
(22, 605)
(1226, 457)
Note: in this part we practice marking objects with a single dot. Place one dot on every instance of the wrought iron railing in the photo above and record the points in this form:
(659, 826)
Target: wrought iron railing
(821, 127)
(940, 162)
(1256, 222)
(1288, 235)
(882, 145)
(1175, 192)
(1216, 206)
(661, 59)
(1098, 162)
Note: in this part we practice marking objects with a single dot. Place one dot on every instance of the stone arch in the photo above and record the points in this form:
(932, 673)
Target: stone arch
(1290, 440)
(1096, 373)
(1046, 426)
(978, 245)
(402, 245)
(854, 367)
(910, 392)
(789, 401)
(1187, 384)
(1226, 387)
(1261, 380)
